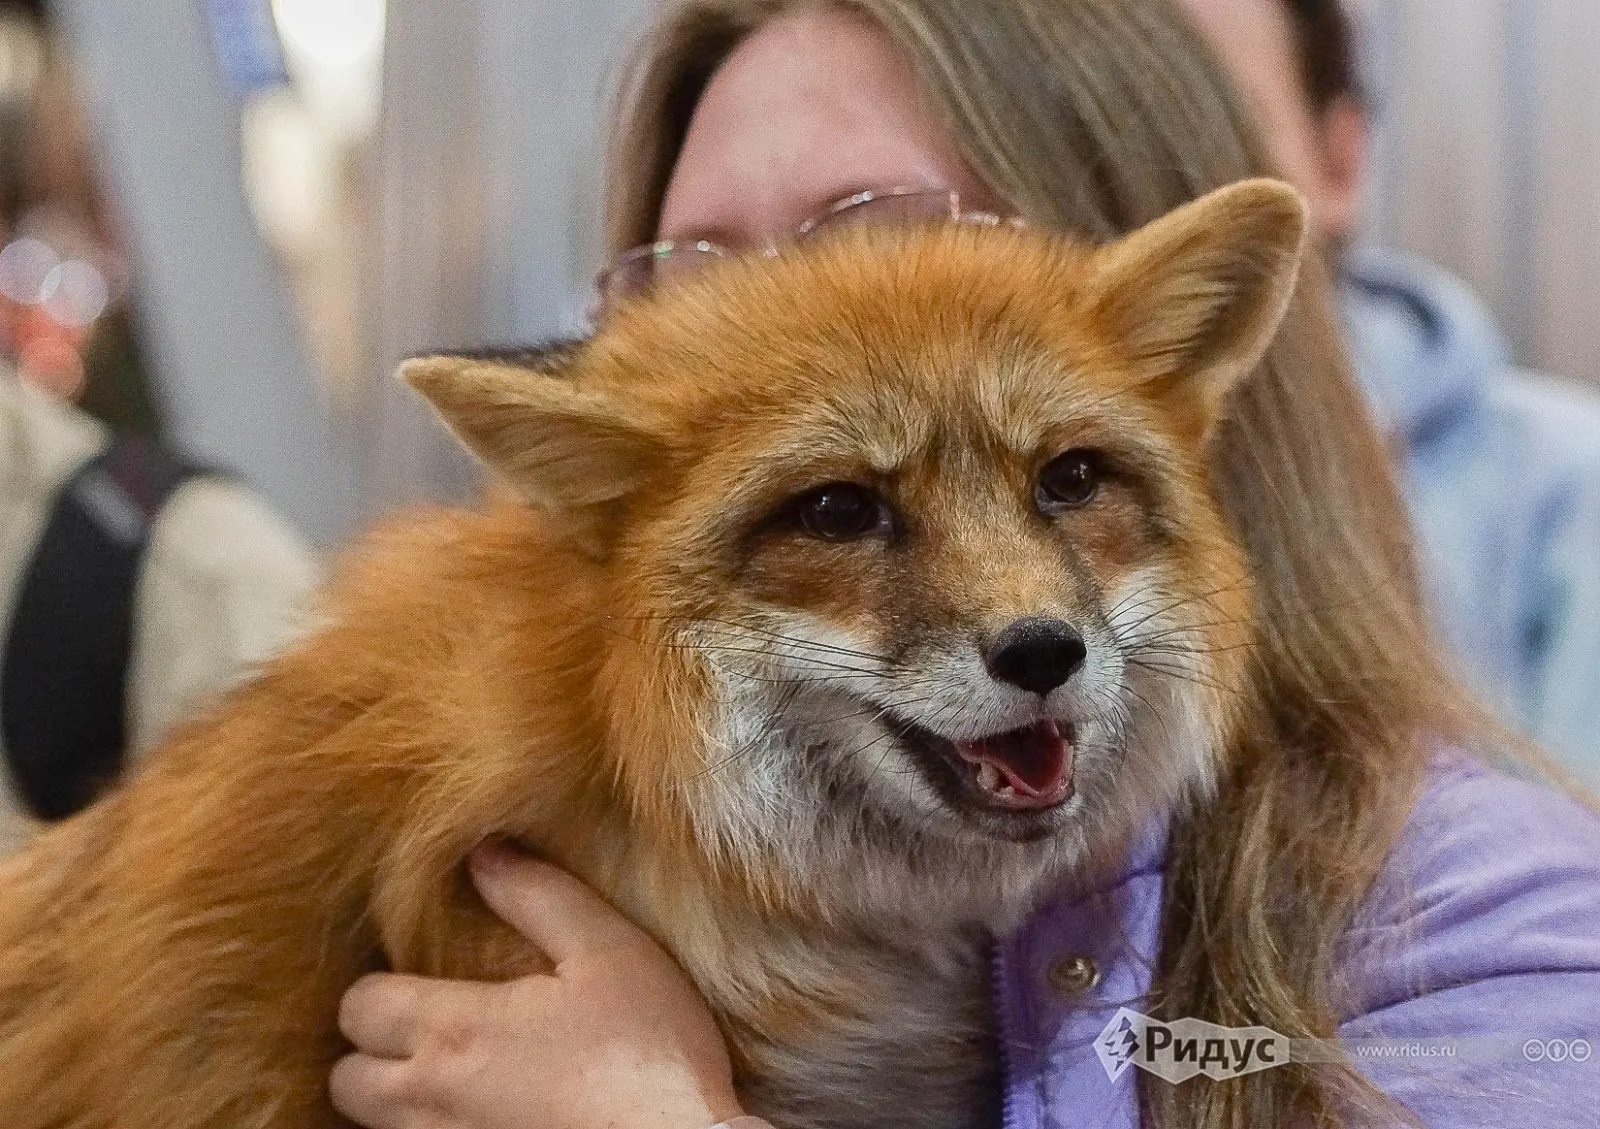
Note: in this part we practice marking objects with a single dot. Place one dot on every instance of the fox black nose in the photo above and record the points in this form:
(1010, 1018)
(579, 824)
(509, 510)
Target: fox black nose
(1036, 654)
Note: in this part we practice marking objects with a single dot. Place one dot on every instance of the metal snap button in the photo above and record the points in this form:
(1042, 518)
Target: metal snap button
(1074, 975)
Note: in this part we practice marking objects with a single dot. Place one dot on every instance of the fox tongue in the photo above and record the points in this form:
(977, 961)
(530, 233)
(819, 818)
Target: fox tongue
(1036, 761)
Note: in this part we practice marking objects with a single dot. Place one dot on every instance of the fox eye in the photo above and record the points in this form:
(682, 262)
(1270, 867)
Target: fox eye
(1070, 480)
(840, 511)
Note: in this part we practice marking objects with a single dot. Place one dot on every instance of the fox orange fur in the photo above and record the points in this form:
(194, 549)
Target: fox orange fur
(735, 659)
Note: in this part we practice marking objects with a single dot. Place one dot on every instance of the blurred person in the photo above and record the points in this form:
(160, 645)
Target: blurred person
(1439, 900)
(1501, 466)
(65, 304)
(133, 586)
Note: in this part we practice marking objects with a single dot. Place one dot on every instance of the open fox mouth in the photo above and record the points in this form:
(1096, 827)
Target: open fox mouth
(1024, 770)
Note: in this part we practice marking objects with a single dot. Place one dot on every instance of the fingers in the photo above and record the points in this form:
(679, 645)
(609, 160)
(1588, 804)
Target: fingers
(370, 1092)
(382, 1014)
(547, 905)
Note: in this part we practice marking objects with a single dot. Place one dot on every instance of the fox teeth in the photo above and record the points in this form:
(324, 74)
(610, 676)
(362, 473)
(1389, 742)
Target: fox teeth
(988, 777)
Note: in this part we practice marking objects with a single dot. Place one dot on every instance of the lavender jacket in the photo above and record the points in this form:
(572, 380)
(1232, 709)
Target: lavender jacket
(1483, 934)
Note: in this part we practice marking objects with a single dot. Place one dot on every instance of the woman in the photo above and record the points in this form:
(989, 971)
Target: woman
(1349, 879)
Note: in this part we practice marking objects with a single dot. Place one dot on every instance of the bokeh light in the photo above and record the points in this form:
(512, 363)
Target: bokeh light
(337, 34)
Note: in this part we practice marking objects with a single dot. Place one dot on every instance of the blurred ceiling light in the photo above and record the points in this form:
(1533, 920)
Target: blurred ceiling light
(334, 52)
(75, 294)
(336, 34)
(72, 292)
(24, 267)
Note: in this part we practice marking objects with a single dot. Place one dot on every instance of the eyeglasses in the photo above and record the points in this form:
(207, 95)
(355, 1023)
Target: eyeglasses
(642, 269)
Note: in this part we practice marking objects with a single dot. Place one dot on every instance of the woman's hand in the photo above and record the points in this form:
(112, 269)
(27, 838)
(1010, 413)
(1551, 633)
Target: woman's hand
(615, 1038)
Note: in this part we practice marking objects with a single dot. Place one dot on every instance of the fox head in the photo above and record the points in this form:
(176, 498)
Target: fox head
(917, 588)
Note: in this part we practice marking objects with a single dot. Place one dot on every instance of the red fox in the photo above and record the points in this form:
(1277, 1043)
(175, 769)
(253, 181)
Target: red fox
(854, 598)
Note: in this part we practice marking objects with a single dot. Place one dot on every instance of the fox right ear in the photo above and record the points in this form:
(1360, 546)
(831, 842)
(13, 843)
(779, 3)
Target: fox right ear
(521, 413)
(1195, 298)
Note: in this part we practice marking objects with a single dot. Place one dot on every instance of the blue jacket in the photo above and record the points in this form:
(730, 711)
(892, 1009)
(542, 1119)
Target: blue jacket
(1502, 473)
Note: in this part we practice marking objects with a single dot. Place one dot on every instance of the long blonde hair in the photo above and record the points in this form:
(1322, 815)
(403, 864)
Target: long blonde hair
(1095, 117)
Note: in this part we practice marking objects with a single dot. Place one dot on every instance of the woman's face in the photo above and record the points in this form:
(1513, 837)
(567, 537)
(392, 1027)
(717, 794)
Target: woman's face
(813, 107)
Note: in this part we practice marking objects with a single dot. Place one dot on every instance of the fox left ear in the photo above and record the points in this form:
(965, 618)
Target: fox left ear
(1196, 298)
(561, 448)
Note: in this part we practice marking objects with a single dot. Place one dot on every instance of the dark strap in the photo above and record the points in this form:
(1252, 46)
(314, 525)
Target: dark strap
(63, 685)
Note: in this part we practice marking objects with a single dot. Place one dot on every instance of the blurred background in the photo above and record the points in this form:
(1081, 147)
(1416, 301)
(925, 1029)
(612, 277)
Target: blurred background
(224, 221)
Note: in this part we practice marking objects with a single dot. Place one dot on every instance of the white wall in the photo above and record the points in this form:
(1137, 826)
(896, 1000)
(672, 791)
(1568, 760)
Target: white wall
(1490, 159)
(489, 226)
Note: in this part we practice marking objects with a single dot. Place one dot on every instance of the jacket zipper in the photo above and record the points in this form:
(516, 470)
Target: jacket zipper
(1009, 1116)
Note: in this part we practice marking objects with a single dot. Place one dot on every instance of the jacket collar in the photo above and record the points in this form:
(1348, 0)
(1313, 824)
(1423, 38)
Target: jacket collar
(1423, 346)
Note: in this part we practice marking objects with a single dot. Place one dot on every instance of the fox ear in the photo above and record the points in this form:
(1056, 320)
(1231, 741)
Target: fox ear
(1196, 297)
(521, 413)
